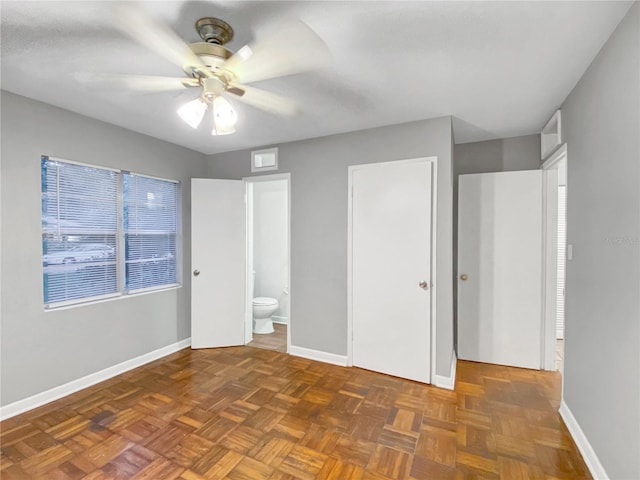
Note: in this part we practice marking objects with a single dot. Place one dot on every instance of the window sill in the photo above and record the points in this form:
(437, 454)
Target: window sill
(110, 298)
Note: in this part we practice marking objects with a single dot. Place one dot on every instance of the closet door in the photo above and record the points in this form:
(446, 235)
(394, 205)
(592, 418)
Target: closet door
(391, 271)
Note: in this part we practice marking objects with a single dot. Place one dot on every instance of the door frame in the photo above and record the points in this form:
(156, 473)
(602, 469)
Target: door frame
(549, 256)
(433, 160)
(249, 181)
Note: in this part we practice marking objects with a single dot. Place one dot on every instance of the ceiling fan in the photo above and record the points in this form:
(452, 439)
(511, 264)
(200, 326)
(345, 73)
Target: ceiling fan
(217, 71)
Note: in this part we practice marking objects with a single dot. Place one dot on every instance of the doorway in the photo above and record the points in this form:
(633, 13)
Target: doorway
(555, 250)
(268, 262)
(222, 262)
(391, 267)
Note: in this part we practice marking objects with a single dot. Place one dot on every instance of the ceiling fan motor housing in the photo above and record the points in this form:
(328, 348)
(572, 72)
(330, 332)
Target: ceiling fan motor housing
(213, 30)
(214, 33)
(212, 55)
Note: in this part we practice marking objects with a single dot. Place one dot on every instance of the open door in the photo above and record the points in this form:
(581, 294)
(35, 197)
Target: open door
(218, 254)
(500, 268)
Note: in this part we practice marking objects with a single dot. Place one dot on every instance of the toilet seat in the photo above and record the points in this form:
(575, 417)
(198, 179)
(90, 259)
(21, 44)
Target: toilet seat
(264, 301)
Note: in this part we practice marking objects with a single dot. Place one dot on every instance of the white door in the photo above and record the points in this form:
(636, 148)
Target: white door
(391, 255)
(500, 268)
(218, 247)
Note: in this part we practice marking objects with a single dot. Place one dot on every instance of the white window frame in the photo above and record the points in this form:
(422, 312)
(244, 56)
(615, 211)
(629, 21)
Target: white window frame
(122, 291)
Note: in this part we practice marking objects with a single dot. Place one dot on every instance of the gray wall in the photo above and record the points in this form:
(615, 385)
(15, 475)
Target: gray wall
(601, 125)
(41, 350)
(502, 155)
(319, 169)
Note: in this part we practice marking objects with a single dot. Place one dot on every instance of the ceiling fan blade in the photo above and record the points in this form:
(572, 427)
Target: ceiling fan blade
(138, 83)
(263, 100)
(293, 48)
(154, 35)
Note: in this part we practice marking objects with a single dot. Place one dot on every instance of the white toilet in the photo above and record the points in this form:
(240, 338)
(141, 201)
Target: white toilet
(263, 308)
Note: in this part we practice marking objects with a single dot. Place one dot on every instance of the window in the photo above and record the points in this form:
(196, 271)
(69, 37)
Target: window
(79, 231)
(150, 227)
(105, 232)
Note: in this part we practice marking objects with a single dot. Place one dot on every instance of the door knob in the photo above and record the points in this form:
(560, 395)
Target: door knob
(464, 277)
(424, 285)
(196, 273)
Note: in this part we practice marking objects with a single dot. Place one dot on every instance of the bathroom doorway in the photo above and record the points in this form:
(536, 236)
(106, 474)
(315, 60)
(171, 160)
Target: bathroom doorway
(268, 298)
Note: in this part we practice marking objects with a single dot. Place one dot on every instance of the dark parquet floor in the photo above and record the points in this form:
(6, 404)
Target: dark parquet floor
(247, 413)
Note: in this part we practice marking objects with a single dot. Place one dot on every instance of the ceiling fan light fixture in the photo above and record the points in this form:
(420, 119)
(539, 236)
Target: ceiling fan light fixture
(193, 112)
(224, 117)
(217, 131)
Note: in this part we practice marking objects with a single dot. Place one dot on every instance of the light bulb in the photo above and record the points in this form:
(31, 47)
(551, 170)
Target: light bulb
(224, 117)
(193, 112)
(216, 130)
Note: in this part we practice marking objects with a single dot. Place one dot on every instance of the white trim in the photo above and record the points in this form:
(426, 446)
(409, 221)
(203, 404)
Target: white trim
(350, 267)
(80, 164)
(434, 227)
(318, 355)
(582, 442)
(447, 382)
(248, 262)
(553, 128)
(117, 170)
(434, 258)
(558, 155)
(171, 180)
(73, 386)
(549, 254)
(142, 291)
(279, 319)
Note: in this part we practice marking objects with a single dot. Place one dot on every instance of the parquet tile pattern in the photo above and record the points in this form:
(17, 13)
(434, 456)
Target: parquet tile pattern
(247, 413)
(272, 341)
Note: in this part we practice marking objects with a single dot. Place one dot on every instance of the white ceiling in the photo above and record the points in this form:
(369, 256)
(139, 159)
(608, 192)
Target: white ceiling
(499, 68)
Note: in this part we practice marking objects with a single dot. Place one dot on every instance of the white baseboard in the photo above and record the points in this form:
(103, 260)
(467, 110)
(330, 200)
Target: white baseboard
(582, 442)
(318, 355)
(42, 398)
(283, 320)
(450, 381)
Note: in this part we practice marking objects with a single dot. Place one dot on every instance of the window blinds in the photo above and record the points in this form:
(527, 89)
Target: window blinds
(79, 231)
(562, 244)
(150, 228)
